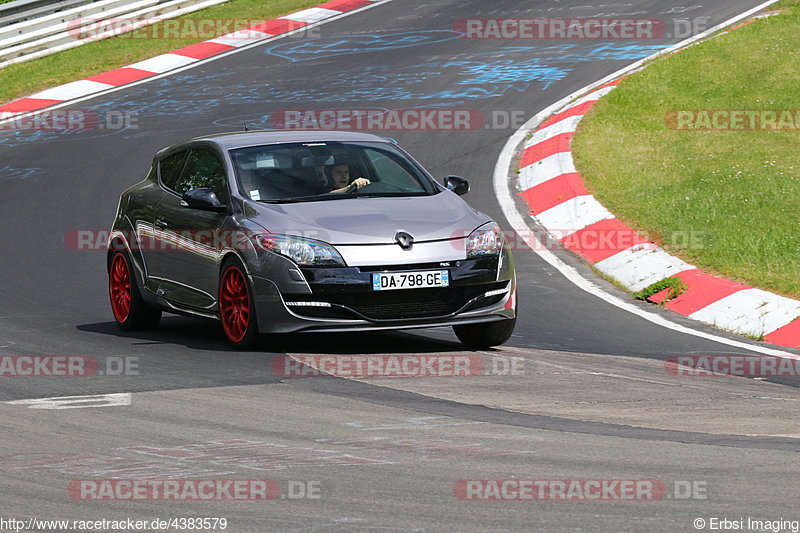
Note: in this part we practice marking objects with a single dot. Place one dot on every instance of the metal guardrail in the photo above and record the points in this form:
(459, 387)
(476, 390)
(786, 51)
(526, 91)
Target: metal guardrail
(57, 26)
(22, 10)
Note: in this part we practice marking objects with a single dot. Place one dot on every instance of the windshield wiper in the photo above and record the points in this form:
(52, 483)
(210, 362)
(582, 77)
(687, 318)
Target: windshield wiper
(387, 194)
(311, 198)
(340, 196)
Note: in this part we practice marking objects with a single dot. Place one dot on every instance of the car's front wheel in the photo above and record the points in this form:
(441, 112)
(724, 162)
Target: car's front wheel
(485, 335)
(236, 309)
(131, 312)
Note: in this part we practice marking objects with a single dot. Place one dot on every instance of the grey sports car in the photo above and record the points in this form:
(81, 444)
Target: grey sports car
(285, 231)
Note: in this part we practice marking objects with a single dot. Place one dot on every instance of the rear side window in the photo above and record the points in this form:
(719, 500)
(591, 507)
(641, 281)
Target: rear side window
(170, 169)
(203, 169)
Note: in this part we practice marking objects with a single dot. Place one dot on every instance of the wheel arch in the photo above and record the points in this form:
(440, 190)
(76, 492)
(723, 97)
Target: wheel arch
(116, 243)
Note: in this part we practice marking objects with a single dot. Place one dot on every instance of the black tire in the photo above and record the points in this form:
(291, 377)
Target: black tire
(487, 334)
(235, 294)
(130, 311)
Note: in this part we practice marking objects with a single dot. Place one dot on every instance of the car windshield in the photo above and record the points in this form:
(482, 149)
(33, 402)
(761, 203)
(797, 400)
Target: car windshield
(321, 171)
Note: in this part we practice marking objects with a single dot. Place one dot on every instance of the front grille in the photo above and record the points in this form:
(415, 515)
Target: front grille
(421, 304)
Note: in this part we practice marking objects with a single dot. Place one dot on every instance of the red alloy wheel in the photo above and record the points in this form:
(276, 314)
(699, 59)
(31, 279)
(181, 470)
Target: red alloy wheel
(234, 304)
(119, 287)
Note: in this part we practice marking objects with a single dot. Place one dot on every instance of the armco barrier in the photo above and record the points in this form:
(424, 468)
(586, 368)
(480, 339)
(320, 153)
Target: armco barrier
(21, 10)
(51, 32)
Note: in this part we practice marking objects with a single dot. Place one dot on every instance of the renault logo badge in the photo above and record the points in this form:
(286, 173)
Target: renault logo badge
(405, 240)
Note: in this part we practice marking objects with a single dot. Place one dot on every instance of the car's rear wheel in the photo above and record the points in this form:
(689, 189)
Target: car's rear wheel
(236, 309)
(485, 335)
(131, 312)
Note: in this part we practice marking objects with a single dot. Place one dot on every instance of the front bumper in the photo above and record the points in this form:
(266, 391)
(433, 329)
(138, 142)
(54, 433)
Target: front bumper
(342, 299)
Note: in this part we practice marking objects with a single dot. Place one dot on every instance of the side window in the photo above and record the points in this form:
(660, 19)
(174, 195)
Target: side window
(390, 171)
(170, 169)
(203, 169)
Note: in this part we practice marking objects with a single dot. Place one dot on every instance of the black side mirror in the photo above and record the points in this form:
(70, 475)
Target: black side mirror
(204, 199)
(460, 186)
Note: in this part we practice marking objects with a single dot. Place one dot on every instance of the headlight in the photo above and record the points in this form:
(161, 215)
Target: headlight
(486, 240)
(302, 251)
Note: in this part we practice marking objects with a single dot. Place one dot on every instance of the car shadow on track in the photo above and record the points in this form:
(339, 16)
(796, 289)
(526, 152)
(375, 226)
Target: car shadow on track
(190, 353)
(207, 335)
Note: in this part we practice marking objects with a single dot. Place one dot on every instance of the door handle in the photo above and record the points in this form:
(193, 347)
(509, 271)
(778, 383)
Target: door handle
(161, 223)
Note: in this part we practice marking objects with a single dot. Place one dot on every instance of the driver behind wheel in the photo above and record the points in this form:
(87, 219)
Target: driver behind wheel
(339, 178)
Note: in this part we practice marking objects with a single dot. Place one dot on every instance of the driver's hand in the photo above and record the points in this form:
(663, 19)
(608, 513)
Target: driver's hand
(360, 182)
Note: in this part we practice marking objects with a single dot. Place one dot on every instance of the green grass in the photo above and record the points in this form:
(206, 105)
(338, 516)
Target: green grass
(23, 79)
(735, 193)
(676, 286)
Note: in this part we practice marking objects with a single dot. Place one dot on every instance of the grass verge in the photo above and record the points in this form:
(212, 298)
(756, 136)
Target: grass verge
(675, 286)
(726, 201)
(17, 81)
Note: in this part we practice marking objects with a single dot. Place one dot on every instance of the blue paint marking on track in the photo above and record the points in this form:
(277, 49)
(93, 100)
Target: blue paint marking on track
(358, 44)
(11, 173)
(512, 68)
(569, 53)
(506, 71)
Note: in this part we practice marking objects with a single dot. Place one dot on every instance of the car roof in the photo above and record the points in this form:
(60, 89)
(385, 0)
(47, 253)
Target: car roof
(243, 139)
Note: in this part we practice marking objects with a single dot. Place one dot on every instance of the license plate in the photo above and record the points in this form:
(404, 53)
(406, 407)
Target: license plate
(387, 281)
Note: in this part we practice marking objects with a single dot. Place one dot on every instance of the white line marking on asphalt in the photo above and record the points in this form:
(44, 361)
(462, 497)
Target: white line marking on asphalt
(76, 402)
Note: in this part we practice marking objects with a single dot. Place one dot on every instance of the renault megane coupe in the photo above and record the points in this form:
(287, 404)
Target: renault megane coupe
(313, 231)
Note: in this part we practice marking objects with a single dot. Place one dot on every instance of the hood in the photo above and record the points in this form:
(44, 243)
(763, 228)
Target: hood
(372, 220)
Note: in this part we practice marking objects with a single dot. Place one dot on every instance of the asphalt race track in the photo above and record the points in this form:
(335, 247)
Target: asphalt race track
(590, 399)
